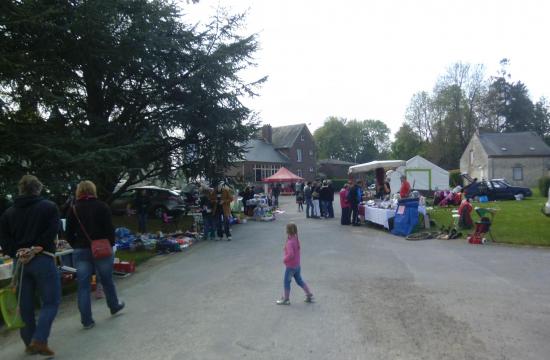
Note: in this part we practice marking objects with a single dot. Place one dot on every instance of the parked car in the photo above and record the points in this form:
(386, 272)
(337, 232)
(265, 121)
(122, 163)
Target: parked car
(495, 189)
(162, 201)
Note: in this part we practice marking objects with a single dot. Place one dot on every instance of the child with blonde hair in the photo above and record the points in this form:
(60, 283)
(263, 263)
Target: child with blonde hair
(292, 263)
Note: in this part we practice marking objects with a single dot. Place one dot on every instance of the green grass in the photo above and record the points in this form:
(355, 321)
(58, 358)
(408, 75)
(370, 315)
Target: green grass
(139, 257)
(516, 222)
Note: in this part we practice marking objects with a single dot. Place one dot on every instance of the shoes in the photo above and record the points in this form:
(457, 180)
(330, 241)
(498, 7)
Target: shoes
(99, 294)
(89, 326)
(229, 238)
(309, 299)
(283, 302)
(40, 347)
(219, 239)
(121, 306)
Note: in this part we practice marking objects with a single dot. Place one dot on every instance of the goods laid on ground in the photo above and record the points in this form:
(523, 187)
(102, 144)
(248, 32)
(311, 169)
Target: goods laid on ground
(261, 209)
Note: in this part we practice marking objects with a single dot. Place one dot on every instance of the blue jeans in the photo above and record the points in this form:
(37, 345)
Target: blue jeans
(294, 273)
(85, 265)
(142, 222)
(309, 208)
(330, 210)
(222, 220)
(40, 274)
(324, 208)
(208, 226)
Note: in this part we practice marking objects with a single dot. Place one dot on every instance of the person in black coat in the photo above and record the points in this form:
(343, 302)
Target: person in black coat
(27, 234)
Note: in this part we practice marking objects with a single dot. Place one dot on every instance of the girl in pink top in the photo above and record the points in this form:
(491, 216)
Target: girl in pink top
(292, 263)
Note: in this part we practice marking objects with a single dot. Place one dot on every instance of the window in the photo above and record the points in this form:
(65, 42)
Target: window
(311, 170)
(302, 138)
(471, 157)
(310, 152)
(299, 155)
(517, 173)
(299, 172)
(262, 171)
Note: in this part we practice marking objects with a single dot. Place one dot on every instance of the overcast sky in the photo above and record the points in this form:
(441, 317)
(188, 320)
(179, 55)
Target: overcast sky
(365, 59)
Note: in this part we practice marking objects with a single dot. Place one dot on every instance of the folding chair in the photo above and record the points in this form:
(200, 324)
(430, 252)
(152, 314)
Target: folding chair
(486, 219)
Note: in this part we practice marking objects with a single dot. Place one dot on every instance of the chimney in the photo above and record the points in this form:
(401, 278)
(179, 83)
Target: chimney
(266, 133)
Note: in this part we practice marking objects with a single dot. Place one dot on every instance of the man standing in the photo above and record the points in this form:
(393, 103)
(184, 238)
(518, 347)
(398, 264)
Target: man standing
(354, 198)
(27, 234)
(275, 192)
(331, 200)
(221, 201)
(405, 190)
(142, 205)
(309, 200)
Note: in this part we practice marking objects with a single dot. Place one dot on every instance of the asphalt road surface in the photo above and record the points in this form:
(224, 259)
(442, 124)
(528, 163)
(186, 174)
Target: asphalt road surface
(377, 297)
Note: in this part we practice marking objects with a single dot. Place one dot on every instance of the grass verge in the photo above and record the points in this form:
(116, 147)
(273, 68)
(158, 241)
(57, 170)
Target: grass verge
(516, 222)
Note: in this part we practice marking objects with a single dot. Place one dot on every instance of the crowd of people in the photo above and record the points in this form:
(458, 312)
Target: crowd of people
(28, 231)
(318, 197)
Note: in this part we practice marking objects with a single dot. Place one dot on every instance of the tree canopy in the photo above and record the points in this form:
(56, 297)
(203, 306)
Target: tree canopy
(353, 140)
(120, 90)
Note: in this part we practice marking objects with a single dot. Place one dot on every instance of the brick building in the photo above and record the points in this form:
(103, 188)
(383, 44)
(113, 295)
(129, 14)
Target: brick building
(290, 146)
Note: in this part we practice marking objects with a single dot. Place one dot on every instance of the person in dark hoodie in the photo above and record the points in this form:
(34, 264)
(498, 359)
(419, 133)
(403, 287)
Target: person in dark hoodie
(27, 234)
(91, 219)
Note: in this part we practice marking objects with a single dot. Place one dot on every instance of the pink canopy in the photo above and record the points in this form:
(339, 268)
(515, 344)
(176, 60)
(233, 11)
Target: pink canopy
(283, 175)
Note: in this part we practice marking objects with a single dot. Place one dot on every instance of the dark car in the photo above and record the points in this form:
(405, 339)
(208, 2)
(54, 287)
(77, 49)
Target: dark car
(497, 189)
(162, 201)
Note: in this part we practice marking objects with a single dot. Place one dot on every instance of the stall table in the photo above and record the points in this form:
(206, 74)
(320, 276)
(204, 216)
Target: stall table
(382, 216)
(6, 269)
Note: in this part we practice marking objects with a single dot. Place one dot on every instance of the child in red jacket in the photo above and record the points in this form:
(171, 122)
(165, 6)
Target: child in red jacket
(292, 263)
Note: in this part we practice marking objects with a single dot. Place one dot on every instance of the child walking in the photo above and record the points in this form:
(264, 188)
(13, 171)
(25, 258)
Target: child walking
(292, 263)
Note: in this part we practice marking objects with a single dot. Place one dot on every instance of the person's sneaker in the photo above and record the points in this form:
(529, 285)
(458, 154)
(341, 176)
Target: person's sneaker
(40, 347)
(99, 294)
(229, 238)
(283, 302)
(121, 306)
(309, 298)
(89, 326)
(219, 239)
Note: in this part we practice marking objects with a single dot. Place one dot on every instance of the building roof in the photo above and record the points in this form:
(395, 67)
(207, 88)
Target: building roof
(283, 137)
(514, 144)
(260, 151)
(335, 162)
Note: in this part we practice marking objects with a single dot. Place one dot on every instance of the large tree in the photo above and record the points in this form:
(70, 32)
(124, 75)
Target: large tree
(353, 140)
(112, 90)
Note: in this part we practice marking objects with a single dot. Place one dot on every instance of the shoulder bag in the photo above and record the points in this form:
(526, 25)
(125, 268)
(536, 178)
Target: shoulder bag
(101, 248)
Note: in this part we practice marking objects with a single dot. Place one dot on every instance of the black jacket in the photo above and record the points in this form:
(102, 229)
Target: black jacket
(31, 221)
(324, 193)
(96, 218)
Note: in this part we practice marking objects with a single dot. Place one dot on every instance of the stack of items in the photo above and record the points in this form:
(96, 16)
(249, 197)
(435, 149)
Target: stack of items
(262, 211)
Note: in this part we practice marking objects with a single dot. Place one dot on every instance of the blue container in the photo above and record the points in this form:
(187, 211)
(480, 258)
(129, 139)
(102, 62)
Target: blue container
(406, 217)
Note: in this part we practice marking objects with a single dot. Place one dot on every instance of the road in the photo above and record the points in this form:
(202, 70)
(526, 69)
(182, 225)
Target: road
(377, 297)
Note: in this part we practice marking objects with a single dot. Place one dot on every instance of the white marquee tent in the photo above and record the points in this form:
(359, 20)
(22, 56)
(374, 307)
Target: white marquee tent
(421, 174)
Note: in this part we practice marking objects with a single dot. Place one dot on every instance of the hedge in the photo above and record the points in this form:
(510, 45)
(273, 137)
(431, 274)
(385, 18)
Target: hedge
(455, 179)
(544, 184)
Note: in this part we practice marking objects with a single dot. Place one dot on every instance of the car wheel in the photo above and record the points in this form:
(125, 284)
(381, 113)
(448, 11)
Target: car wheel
(158, 211)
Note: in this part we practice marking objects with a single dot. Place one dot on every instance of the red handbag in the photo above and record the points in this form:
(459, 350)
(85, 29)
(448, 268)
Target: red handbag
(101, 248)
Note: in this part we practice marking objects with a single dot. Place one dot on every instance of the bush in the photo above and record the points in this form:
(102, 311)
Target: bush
(544, 184)
(455, 179)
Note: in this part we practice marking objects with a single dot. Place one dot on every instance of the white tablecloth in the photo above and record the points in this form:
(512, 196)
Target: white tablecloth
(381, 216)
(6, 270)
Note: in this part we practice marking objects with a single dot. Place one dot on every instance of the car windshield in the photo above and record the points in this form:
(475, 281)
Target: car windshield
(498, 185)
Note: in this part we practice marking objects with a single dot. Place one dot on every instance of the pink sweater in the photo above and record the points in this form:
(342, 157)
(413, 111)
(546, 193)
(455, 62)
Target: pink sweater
(292, 252)
(344, 203)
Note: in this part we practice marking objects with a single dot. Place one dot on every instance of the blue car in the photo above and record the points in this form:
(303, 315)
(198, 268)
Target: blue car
(496, 189)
